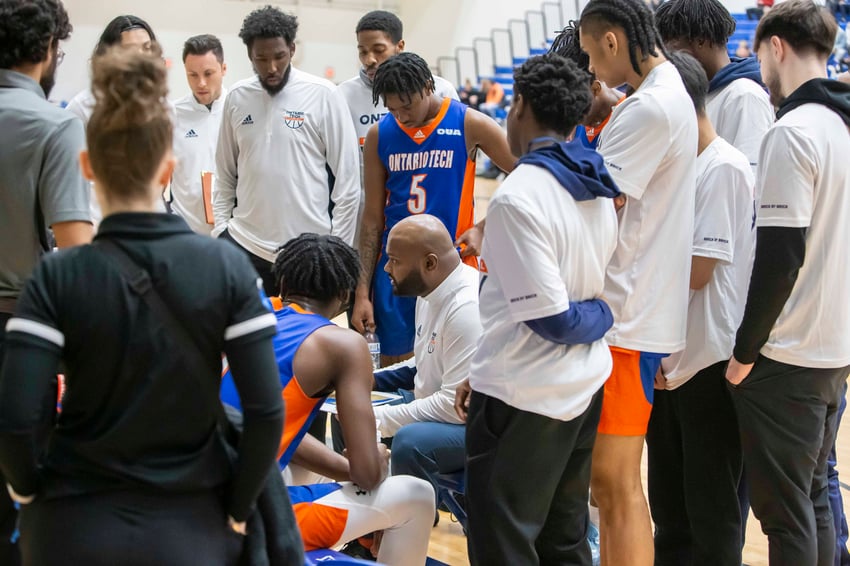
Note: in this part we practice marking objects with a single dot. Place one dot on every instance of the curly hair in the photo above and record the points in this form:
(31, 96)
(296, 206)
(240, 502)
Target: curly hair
(556, 89)
(567, 45)
(404, 75)
(267, 23)
(636, 20)
(29, 29)
(695, 20)
(316, 267)
(130, 129)
(383, 21)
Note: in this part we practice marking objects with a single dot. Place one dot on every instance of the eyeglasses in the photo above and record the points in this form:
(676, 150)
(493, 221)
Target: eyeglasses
(60, 56)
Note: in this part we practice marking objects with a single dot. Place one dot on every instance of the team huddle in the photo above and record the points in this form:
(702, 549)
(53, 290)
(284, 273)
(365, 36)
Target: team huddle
(663, 264)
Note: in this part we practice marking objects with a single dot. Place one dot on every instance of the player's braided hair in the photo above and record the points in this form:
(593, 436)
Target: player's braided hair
(556, 90)
(567, 45)
(404, 75)
(316, 267)
(695, 20)
(637, 21)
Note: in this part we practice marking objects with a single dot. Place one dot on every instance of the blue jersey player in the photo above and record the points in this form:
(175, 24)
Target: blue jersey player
(420, 158)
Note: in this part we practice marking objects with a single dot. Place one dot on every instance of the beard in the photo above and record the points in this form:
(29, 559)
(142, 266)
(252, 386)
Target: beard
(410, 286)
(48, 79)
(274, 89)
(774, 87)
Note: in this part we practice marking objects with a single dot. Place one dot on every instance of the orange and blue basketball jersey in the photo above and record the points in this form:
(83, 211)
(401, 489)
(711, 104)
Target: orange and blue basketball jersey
(294, 325)
(428, 172)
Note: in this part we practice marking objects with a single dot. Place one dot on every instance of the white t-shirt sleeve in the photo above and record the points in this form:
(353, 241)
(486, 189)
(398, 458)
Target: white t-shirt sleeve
(786, 177)
(343, 158)
(714, 221)
(520, 254)
(631, 156)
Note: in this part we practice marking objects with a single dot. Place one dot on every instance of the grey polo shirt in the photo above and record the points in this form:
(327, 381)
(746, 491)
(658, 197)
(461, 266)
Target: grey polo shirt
(39, 175)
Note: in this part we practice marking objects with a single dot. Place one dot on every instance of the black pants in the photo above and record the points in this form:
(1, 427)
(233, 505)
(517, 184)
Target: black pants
(694, 466)
(788, 420)
(263, 267)
(128, 528)
(527, 483)
(9, 554)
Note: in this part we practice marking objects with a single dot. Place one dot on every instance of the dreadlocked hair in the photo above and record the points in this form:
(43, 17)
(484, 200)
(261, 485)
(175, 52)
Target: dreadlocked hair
(695, 20)
(567, 45)
(404, 75)
(316, 267)
(637, 21)
(555, 89)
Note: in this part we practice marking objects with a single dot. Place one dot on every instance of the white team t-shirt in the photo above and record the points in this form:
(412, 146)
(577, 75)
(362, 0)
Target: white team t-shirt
(650, 148)
(804, 181)
(195, 138)
(741, 114)
(542, 249)
(724, 230)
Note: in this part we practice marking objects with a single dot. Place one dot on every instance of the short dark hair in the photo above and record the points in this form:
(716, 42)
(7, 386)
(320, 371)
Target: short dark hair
(695, 20)
(316, 267)
(203, 44)
(381, 20)
(803, 24)
(555, 89)
(636, 20)
(404, 74)
(267, 23)
(29, 29)
(112, 32)
(567, 45)
(693, 77)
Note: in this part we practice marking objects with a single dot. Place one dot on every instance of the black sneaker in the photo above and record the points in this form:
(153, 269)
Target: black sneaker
(357, 550)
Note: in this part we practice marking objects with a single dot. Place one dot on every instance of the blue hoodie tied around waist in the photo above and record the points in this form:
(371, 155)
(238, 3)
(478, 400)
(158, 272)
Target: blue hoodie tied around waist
(746, 68)
(581, 171)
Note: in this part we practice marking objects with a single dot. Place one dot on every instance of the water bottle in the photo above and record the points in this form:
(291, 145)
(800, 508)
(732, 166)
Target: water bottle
(374, 348)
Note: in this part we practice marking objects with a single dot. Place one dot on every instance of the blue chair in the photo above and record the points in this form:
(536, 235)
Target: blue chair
(449, 486)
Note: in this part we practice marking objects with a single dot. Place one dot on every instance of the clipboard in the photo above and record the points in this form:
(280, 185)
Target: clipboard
(207, 179)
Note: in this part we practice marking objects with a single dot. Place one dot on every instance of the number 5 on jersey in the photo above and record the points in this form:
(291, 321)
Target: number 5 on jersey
(416, 202)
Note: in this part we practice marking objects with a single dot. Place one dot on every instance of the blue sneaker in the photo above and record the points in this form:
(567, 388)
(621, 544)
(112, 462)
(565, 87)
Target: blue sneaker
(593, 541)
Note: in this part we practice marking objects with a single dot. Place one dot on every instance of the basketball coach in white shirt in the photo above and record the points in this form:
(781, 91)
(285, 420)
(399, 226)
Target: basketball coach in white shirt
(287, 160)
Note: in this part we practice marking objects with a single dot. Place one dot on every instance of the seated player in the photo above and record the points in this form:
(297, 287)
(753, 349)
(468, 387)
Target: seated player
(419, 159)
(317, 275)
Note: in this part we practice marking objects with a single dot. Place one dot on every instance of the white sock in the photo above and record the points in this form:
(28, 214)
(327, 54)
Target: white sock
(594, 514)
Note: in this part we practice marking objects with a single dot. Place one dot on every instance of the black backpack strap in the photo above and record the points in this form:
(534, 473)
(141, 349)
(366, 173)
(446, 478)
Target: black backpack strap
(140, 282)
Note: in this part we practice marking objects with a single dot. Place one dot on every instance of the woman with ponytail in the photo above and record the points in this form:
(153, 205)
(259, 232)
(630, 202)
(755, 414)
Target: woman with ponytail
(132, 469)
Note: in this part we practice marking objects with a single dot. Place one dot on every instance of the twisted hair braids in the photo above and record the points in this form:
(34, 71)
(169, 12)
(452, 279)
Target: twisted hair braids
(695, 20)
(636, 20)
(404, 74)
(567, 45)
(316, 267)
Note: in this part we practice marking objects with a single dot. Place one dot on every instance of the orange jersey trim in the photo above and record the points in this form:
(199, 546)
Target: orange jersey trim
(419, 135)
